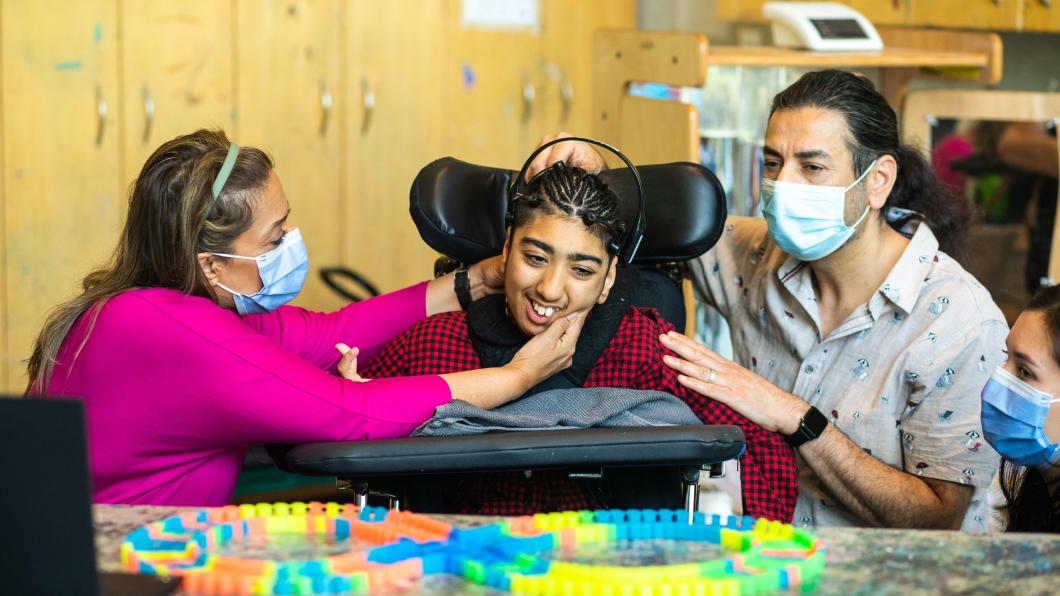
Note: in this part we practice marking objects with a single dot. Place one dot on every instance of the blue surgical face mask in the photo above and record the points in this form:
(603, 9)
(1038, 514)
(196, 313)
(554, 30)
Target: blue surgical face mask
(806, 220)
(1014, 421)
(282, 270)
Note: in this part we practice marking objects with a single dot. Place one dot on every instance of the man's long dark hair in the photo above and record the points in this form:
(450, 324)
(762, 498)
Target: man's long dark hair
(1032, 507)
(873, 130)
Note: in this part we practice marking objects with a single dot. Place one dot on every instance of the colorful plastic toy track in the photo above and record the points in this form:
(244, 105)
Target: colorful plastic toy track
(377, 549)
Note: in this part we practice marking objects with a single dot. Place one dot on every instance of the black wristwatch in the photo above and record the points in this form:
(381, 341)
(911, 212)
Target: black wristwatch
(810, 427)
(463, 288)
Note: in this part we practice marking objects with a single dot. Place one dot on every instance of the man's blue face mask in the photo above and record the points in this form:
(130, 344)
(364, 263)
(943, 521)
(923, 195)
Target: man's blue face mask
(1014, 421)
(806, 220)
(283, 272)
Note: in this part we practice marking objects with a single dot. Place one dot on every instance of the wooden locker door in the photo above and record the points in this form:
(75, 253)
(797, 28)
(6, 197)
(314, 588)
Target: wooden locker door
(1042, 15)
(494, 82)
(394, 119)
(288, 57)
(567, 46)
(63, 204)
(967, 14)
(740, 10)
(176, 73)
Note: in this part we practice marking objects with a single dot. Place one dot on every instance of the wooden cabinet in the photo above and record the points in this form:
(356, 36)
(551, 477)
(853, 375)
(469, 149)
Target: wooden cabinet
(63, 200)
(882, 12)
(395, 116)
(740, 10)
(567, 28)
(177, 72)
(350, 97)
(1041, 15)
(495, 83)
(506, 89)
(967, 14)
(287, 91)
(423, 88)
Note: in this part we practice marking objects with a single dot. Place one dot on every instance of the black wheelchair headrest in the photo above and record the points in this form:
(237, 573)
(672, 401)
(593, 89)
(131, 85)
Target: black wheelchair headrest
(459, 208)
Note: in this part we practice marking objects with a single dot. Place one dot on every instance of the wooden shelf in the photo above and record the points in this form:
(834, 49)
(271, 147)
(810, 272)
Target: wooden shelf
(888, 58)
(654, 131)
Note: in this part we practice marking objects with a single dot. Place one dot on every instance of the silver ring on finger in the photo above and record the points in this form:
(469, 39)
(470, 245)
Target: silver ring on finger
(713, 376)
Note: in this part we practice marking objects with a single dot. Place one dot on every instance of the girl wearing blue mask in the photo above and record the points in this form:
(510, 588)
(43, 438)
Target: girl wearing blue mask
(184, 350)
(1021, 418)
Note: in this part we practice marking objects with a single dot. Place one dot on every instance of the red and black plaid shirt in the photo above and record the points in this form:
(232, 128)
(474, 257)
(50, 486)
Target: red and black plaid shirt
(633, 360)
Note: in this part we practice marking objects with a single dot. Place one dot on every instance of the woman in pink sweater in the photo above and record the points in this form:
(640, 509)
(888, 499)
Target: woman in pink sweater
(183, 352)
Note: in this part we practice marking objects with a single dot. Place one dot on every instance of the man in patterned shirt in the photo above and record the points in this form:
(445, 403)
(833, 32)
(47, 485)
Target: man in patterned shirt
(855, 332)
(560, 258)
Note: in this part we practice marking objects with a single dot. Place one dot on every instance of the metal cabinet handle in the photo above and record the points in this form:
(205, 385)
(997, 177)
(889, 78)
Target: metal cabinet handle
(566, 99)
(368, 103)
(149, 113)
(101, 115)
(528, 100)
(326, 102)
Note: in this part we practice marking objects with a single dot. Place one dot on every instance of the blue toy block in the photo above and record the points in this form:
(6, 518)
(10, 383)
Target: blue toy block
(173, 524)
(436, 563)
(342, 528)
(374, 514)
(312, 569)
(339, 585)
(474, 538)
(392, 553)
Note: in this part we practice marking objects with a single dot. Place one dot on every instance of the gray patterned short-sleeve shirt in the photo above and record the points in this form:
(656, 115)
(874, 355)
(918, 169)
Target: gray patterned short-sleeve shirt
(901, 376)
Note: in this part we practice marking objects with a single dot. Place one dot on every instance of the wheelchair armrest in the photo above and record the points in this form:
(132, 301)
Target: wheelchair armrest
(513, 451)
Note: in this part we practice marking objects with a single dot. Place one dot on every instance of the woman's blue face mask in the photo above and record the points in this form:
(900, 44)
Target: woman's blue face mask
(1014, 421)
(283, 271)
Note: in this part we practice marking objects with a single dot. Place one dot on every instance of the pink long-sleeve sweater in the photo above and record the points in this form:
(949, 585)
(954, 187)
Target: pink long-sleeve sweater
(175, 387)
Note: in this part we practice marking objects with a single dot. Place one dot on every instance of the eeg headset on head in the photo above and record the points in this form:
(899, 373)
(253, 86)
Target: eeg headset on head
(628, 249)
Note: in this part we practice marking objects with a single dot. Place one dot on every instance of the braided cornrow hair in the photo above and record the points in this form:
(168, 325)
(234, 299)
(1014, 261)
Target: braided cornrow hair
(577, 193)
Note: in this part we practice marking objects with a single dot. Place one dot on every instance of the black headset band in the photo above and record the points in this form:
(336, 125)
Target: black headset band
(636, 234)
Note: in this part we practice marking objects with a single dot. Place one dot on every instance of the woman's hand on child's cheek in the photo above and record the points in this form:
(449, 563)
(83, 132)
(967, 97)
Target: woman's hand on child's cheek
(347, 365)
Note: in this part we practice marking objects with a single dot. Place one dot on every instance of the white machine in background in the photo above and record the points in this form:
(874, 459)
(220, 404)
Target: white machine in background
(821, 26)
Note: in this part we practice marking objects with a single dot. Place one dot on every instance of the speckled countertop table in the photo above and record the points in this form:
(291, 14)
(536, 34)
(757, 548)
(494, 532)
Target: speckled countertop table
(859, 561)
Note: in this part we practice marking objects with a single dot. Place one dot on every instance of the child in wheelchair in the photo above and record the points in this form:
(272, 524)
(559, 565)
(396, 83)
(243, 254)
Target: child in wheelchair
(565, 230)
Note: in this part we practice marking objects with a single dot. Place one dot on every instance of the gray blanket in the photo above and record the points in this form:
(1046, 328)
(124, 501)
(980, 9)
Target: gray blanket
(560, 409)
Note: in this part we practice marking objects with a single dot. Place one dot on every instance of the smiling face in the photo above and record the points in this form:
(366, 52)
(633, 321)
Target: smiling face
(554, 266)
(1030, 359)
